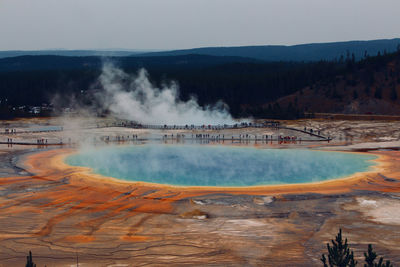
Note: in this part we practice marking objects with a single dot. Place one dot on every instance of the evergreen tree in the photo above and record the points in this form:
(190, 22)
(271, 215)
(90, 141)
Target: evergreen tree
(339, 254)
(378, 93)
(323, 259)
(381, 264)
(367, 90)
(29, 261)
(393, 93)
(335, 94)
(370, 257)
(355, 94)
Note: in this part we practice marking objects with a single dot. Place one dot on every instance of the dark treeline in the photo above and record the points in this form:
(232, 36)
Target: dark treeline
(246, 85)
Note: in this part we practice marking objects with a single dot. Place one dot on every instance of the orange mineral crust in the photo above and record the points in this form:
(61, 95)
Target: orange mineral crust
(55, 168)
(62, 210)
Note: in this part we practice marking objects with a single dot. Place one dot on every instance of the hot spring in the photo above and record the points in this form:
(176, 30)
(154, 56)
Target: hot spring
(204, 165)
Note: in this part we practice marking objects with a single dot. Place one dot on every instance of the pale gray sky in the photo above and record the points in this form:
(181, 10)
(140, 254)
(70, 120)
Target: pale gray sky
(174, 24)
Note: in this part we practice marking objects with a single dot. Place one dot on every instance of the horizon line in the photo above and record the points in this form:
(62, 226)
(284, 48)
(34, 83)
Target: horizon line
(145, 50)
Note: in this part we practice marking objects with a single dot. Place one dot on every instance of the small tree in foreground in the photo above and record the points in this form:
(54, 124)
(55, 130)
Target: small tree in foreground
(29, 261)
(339, 254)
(370, 257)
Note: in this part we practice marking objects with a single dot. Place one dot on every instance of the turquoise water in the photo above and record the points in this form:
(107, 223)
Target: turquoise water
(202, 165)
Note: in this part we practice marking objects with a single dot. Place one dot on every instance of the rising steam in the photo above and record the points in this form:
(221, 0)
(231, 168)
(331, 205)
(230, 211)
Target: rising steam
(135, 98)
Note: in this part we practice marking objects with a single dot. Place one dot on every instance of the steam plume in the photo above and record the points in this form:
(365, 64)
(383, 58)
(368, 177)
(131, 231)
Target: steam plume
(135, 98)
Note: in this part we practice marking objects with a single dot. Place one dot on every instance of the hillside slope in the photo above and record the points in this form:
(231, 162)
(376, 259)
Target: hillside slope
(369, 87)
(280, 90)
(303, 52)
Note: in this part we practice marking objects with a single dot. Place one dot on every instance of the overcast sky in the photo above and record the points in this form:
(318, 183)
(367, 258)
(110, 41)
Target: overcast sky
(174, 24)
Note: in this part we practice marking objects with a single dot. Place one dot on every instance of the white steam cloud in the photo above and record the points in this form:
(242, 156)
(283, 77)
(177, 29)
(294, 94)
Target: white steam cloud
(135, 98)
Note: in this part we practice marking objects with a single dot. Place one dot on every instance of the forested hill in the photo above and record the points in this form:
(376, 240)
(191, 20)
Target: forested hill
(33, 80)
(49, 62)
(303, 52)
(281, 90)
(371, 86)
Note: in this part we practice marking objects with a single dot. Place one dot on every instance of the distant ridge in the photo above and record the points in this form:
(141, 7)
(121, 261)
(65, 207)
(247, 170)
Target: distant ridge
(70, 53)
(296, 53)
(302, 52)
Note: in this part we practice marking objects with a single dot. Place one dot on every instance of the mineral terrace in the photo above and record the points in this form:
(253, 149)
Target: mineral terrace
(64, 214)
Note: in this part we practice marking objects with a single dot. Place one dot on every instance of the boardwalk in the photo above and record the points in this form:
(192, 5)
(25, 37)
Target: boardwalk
(237, 133)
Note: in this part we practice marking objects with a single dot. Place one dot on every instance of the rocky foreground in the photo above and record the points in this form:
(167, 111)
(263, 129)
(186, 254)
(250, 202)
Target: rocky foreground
(62, 213)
